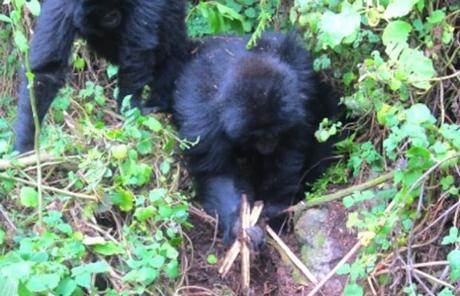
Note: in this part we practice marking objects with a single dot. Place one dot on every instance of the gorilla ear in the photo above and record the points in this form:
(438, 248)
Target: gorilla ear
(292, 50)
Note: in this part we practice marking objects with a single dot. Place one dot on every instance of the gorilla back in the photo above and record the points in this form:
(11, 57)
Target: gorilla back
(255, 113)
(146, 38)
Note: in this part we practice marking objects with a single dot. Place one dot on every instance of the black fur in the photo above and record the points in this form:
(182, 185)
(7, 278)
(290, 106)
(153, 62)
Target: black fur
(146, 38)
(255, 113)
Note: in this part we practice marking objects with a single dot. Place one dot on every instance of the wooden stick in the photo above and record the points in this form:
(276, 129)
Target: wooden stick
(341, 193)
(434, 279)
(233, 252)
(245, 253)
(27, 160)
(331, 273)
(49, 188)
(296, 261)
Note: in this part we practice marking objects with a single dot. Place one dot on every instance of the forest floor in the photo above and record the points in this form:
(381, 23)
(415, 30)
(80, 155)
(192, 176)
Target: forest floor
(272, 272)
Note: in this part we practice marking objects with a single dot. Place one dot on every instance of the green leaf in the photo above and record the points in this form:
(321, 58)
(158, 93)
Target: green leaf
(144, 275)
(157, 194)
(112, 70)
(417, 68)
(34, 7)
(4, 18)
(452, 238)
(353, 290)
(143, 214)
(157, 261)
(336, 27)
(398, 8)
(454, 263)
(348, 202)
(120, 152)
(250, 12)
(171, 253)
(83, 273)
(29, 197)
(447, 181)
(153, 124)
(445, 292)
(42, 282)
(108, 249)
(66, 287)
(8, 286)
(65, 228)
(395, 38)
(21, 41)
(419, 114)
(172, 269)
(95, 267)
(436, 17)
(344, 269)
(212, 259)
(16, 270)
(83, 280)
(124, 199)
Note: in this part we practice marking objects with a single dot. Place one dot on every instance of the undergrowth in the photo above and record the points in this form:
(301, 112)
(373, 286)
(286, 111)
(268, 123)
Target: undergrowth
(115, 198)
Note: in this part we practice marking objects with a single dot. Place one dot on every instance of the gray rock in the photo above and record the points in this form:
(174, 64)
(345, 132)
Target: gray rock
(320, 252)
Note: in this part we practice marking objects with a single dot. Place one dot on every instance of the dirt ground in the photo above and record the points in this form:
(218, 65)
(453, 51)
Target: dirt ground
(271, 272)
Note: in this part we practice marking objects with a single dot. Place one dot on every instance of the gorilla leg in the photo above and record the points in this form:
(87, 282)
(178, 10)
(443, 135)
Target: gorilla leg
(46, 86)
(49, 55)
(137, 58)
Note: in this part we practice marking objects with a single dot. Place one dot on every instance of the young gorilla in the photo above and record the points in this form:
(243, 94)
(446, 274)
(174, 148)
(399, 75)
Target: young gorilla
(255, 113)
(146, 38)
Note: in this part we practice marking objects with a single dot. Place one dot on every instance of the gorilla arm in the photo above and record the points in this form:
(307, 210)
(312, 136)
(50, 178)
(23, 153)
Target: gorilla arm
(49, 56)
(282, 174)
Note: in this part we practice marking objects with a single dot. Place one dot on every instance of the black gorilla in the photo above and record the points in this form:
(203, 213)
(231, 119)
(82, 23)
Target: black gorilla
(146, 38)
(255, 113)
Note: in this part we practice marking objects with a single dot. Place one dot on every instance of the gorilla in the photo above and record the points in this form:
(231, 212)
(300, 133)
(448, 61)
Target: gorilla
(254, 113)
(146, 38)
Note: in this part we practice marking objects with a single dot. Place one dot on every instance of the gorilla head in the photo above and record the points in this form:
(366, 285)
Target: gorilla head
(261, 103)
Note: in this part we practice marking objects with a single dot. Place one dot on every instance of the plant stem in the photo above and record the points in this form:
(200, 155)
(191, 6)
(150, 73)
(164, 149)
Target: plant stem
(341, 194)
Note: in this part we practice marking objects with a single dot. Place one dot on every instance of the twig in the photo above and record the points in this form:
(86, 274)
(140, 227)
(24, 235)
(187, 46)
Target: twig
(432, 278)
(296, 261)
(443, 215)
(371, 285)
(331, 273)
(231, 255)
(453, 75)
(49, 188)
(415, 265)
(245, 253)
(201, 291)
(201, 214)
(340, 194)
(26, 161)
(422, 284)
(7, 218)
(36, 120)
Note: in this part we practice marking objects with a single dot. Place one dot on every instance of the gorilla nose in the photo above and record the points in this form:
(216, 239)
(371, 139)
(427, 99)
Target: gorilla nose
(266, 147)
